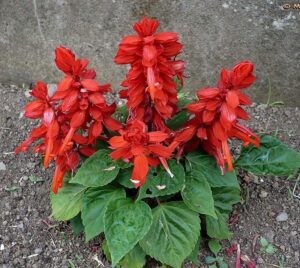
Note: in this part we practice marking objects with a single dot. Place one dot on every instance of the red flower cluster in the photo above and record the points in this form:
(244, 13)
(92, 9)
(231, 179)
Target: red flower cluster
(142, 148)
(216, 116)
(150, 78)
(78, 104)
(76, 115)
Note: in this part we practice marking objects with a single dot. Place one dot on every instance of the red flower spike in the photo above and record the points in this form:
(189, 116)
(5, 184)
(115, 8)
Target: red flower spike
(217, 112)
(141, 147)
(78, 104)
(151, 91)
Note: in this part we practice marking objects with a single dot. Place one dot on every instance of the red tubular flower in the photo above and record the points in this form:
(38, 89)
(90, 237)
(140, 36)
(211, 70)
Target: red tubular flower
(78, 104)
(217, 113)
(153, 67)
(140, 147)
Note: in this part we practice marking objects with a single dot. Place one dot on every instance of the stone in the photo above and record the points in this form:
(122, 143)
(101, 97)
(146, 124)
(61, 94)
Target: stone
(263, 194)
(214, 35)
(2, 166)
(282, 216)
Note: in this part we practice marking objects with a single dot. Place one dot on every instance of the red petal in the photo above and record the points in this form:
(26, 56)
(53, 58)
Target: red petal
(228, 113)
(77, 119)
(196, 107)
(224, 82)
(208, 116)
(90, 84)
(112, 124)
(40, 91)
(96, 129)
(244, 99)
(157, 136)
(48, 116)
(241, 113)
(64, 59)
(149, 55)
(146, 27)
(97, 98)
(122, 153)
(131, 40)
(140, 170)
(118, 142)
(166, 37)
(34, 109)
(186, 134)
(208, 93)
(219, 131)
(65, 84)
(160, 150)
(69, 100)
(201, 133)
(232, 98)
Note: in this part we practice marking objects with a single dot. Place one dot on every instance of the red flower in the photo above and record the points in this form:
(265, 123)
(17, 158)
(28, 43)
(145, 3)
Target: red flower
(150, 78)
(140, 147)
(78, 104)
(217, 115)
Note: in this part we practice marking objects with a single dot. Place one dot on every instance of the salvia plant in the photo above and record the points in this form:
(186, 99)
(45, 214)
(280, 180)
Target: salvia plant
(157, 173)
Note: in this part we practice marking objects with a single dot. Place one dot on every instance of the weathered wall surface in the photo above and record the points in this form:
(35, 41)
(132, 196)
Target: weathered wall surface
(215, 34)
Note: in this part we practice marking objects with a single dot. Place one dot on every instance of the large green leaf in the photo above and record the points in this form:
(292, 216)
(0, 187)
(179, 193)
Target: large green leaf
(94, 205)
(77, 225)
(97, 170)
(225, 197)
(193, 257)
(173, 233)
(125, 224)
(218, 228)
(197, 195)
(160, 183)
(66, 204)
(204, 165)
(271, 158)
(136, 258)
(124, 177)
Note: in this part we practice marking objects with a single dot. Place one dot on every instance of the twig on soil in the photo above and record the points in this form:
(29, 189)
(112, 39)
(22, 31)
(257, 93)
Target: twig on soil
(31, 256)
(238, 257)
(50, 226)
(295, 187)
(6, 153)
(254, 244)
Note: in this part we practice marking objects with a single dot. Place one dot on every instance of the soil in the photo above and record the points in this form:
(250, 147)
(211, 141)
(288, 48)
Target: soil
(28, 238)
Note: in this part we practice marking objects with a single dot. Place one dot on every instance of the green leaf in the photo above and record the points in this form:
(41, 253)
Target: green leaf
(214, 246)
(204, 165)
(77, 225)
(66, 204)
(264, 242)
(125, 224)
(97, 170)
(270, 249)
(160, 183)
(178, 120)
(271, 158)
(136, 258)
(197, 195)
(210, 260)
(124, 177)
(94, 205)
(173, 233)
(193, 257)
(218, 228)
(223, 264)
(105, 250)
(225, 197)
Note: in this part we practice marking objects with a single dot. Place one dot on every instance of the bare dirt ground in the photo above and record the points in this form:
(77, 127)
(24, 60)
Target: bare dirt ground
(29, 239)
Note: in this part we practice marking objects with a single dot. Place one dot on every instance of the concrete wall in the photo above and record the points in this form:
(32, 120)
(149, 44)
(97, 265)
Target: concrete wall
(215, 34)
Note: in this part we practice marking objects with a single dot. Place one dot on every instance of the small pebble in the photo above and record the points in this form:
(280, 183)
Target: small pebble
(282, 216)
(2, 166)
(263, 194)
